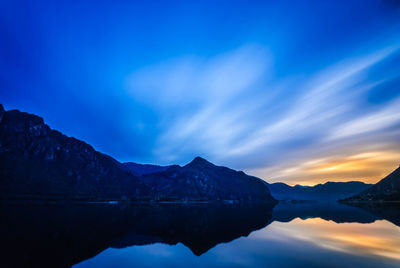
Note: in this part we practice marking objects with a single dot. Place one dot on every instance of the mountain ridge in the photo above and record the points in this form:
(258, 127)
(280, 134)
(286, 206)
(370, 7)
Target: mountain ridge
(39, 162)
(322, 192)
(36, 160)
(329, 191)
(143, 169)
(202, 178)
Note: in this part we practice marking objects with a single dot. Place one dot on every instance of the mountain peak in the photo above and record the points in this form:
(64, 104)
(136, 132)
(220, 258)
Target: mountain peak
(199, 158)
(199, 161)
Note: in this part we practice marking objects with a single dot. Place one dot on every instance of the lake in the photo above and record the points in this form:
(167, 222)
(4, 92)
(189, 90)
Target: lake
(203, 235)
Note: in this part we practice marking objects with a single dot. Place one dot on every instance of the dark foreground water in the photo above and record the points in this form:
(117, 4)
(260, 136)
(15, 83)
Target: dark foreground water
(287, 235)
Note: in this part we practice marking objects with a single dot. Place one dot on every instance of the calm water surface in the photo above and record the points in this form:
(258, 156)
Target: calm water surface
(287, 235)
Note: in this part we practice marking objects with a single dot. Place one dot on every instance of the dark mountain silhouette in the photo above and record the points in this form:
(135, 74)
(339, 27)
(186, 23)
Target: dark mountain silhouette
(38, 162)
(142, 169)
(329, 191)
(387, 189)
(203, 180)
(61, 235)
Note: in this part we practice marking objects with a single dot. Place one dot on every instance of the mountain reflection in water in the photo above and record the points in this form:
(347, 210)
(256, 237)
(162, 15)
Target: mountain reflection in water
(62, 235)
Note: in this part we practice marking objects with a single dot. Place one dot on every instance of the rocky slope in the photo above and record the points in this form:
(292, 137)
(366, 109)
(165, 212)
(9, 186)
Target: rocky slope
(143, 169)
(38, 162)
(202, 180)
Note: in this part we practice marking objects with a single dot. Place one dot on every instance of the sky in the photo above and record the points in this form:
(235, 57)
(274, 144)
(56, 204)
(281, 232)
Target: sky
(302, 92)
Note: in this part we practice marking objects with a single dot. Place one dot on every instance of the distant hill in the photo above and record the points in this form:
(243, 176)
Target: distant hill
(330, 191)
(388, 189)
(203, 180)
(143, 169)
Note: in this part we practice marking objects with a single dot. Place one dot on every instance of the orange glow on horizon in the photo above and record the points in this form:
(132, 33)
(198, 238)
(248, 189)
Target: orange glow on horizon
(369, 167)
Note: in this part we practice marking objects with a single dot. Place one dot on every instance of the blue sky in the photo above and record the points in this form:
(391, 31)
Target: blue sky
(294, 91)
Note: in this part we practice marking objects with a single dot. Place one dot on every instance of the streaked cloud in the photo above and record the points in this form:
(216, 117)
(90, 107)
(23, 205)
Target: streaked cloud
(271, 95)
(225, 108)
(373, 122)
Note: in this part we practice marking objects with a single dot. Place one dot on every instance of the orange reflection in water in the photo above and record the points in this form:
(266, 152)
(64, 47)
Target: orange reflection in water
(380, 238)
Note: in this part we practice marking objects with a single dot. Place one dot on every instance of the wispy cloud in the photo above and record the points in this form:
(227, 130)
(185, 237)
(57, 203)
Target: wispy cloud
(225, 108)
(199, 99)
(379, 120)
